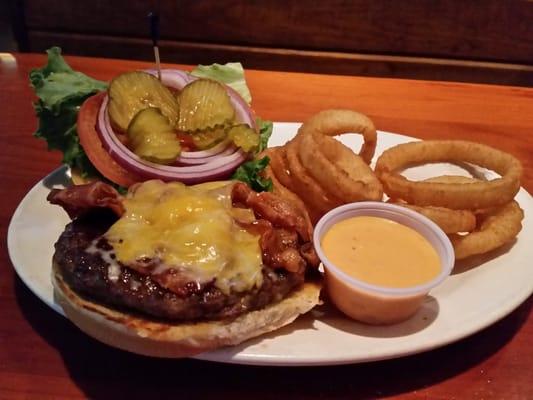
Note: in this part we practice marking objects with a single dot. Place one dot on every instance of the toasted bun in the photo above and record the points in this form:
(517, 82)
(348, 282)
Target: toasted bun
(162, 339)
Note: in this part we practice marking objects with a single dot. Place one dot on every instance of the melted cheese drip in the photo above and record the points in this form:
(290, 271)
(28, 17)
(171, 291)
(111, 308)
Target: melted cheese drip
(190, 229)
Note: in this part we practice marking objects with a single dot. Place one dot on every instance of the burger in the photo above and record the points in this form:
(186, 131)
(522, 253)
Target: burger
(164, 256)
(171, 270)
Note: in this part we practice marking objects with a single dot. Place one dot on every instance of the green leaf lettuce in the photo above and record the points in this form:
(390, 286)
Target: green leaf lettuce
(61, 91)
(265, 131)
(249, 173)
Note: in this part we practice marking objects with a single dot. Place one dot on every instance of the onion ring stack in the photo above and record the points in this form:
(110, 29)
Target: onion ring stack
(479, 216)
(321, 171)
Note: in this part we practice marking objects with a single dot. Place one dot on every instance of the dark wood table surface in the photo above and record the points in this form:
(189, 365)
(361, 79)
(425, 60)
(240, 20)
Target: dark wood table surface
(43, 356)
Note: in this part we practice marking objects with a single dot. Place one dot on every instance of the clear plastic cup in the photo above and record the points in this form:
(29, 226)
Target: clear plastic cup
(371, 303)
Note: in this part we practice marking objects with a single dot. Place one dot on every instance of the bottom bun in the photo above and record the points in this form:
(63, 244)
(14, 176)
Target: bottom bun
(165, 339)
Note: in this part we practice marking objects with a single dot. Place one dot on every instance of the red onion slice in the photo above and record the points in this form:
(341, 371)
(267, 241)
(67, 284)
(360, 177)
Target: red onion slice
(217, 149)
(229, 149)
(217, 168)
(173, 78)
(244, 113)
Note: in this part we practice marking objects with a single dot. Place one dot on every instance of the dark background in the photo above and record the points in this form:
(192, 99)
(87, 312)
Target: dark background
(488, 41)
(7, 40)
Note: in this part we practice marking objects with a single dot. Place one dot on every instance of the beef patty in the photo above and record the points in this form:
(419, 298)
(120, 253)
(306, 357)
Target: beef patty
(89, 275)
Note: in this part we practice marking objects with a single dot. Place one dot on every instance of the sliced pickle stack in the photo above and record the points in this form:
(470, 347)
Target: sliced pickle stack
(203, 105)
(152, 137)
(151, 115)
(132, 92)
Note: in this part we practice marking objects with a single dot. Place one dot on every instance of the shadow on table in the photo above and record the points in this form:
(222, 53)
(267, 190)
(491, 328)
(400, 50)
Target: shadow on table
(103, 372)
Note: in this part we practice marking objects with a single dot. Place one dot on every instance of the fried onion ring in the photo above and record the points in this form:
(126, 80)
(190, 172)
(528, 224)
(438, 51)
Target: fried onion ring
(451, 179)
(338, 170)
(305, 186)
(497, 229)
(337, 122)
(450, 221)
(463, 179)
(459, 196)
(284, 192)
(279, 164)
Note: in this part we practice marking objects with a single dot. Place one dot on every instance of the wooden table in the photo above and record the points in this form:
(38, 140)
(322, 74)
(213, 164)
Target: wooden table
(43, 356)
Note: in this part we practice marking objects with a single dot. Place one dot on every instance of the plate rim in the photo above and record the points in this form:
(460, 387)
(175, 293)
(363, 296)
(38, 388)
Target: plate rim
(10, 245)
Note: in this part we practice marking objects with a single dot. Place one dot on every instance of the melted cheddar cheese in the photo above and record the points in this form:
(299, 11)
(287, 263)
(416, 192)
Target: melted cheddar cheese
(190, 229)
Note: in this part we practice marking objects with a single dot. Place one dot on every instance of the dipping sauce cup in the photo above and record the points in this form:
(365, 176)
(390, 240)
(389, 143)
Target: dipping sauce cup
(371, 303)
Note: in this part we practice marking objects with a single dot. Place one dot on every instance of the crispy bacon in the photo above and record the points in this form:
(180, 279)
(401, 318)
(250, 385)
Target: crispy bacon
(79, 199)
(282, 247)
(280, 250)
(308, 252)
(285, 233)
(273, 208)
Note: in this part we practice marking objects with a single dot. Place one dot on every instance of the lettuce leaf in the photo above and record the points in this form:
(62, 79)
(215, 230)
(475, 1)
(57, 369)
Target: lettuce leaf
(61, 91)
(265, 131)
(249, 173)
(232, 74)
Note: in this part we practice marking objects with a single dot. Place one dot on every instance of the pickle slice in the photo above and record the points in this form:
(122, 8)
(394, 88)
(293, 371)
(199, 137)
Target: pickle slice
(208, 138)
(244, 137)
(204, 104)
(134, 91)
(152, 137)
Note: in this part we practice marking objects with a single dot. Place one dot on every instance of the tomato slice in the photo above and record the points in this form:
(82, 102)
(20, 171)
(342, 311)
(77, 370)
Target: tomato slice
(90, 141)
(186, 141)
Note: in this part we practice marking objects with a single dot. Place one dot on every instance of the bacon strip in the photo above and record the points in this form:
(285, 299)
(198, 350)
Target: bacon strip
(79, 199)
(285, 237)
(308, 252)
(273, 208)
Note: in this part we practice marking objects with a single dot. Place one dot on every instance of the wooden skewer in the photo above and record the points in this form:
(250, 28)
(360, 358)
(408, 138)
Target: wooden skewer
(154, 33)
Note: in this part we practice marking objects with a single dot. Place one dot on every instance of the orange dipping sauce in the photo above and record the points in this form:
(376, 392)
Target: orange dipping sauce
(381, 252)
(381, 260)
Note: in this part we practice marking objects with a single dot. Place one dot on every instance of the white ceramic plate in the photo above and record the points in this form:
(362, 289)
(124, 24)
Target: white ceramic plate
(474, 297)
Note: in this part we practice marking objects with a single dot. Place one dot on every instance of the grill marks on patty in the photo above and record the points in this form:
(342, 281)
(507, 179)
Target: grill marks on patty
(89, 275)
